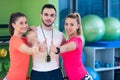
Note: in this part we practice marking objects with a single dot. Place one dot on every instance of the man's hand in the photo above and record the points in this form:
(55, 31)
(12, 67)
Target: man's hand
(53, 47)
(42, 46)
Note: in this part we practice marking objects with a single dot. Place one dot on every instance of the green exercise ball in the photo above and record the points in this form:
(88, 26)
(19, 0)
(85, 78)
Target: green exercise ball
(93, 28)
(112, 29)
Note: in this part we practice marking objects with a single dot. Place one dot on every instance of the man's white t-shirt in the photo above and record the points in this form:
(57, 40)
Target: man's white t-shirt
(39, 59)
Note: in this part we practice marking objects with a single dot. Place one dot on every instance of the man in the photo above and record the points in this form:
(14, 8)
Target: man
(46, 64)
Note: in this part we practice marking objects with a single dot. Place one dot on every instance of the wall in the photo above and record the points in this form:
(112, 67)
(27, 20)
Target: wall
(6, 8)
(31, 9)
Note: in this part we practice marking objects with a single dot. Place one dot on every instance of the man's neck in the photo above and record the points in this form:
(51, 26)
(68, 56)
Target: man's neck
(46, 28)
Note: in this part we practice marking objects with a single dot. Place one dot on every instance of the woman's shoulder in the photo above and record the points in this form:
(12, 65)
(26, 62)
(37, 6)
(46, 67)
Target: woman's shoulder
(14, 38)
(17, 39)
(75, 39)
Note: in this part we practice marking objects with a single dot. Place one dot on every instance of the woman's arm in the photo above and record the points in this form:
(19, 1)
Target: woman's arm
(68, 47)
(29, 50)
(63, 39)
(64, 48)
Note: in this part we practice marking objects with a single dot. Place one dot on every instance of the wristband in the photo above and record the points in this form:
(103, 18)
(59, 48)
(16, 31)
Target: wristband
(58, 50)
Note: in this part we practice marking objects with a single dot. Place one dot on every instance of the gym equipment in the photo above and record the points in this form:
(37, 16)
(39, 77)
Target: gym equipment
(6, 65)
(1, 67)
(3, 52)
(112, 29)
(93, 73)
(83, 58)
(98, 64)
(93, 28)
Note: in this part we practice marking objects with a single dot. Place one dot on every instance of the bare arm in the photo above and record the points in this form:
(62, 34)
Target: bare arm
(68, 47)
(64, 48)
(33, 28)
(63, 39)
(28, 50)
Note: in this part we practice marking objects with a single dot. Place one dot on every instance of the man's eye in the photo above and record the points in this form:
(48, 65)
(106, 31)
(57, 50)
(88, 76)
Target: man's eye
(26, 22)
(21, 23)
(66, 23)
(52, 15)
(71, 24)
(45, 14)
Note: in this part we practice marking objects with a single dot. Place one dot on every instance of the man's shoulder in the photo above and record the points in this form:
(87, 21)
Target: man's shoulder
(57, 31)
(38, 26)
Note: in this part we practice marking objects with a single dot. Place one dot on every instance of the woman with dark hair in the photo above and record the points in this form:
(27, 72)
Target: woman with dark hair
(19, 49)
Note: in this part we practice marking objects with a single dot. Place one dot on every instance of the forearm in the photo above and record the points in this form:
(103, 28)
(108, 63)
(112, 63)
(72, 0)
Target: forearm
(63, 40)
(67, 47)
(26, 49)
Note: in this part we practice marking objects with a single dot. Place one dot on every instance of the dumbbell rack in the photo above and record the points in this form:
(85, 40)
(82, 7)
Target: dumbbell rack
(4, 43)
(3, 60)
(105, 52)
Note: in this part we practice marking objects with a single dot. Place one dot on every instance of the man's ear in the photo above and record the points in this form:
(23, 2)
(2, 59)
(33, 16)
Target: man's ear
(40, 15)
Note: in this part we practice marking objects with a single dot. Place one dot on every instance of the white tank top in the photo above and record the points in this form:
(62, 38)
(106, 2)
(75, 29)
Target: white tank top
(39, 60)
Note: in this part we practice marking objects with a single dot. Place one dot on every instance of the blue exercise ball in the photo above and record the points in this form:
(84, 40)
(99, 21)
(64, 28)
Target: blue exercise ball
(93, 73)
(83, 58)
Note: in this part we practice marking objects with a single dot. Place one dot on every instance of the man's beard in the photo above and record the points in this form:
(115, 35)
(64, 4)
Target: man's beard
(46, 24)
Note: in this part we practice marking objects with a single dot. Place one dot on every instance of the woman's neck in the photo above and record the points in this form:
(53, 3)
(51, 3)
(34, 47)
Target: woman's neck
(73, 35)
(17, 34)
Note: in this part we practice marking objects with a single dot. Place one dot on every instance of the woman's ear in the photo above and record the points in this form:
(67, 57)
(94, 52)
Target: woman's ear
(78, 26)
(13, 25)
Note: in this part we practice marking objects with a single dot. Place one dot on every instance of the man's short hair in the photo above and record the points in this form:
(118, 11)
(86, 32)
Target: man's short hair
(48, 6)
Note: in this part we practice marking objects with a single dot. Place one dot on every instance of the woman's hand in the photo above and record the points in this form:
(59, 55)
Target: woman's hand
(34, 28)
(35, 48)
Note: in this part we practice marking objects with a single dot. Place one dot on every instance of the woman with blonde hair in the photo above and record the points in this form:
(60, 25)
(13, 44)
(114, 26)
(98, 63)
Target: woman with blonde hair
(71, 51)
